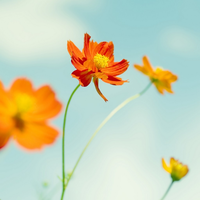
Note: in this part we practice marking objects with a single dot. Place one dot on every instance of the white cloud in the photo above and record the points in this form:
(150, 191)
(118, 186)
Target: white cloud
(38, 29)
(181, 41)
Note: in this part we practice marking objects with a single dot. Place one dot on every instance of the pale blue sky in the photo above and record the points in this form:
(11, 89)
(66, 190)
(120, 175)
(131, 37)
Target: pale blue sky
(124, 160)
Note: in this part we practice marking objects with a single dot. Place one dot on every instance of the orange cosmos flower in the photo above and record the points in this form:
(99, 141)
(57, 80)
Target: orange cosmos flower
(176, 169)
(96, 61)
(162, 79)
(24, 112)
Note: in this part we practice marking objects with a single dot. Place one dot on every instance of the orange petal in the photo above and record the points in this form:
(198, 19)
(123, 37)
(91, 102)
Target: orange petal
(105, 48)
(147, 64)
(96, 83)
(159, 88)
(46, 105)
(89, 64)
(167, 86)
(168, 76)
(142, 69)
(4, 98)
(116, 68)
(35, 135)
(5, 127)
(1, 85)
(78, 62)
(173, 78)
(72, 49)
(164, 80)
(92, 46)
(84, 77)
(22, 85)
(113, 80)
(166, 168)
(86, 46)
(99, 48)
(6, 124)
(4, 138)
(162, 85)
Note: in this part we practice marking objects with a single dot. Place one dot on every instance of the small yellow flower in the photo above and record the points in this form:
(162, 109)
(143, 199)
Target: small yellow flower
(175, 168)
(162, 79)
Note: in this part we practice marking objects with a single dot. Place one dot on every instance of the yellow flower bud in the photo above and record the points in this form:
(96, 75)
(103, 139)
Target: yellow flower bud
(175, 168)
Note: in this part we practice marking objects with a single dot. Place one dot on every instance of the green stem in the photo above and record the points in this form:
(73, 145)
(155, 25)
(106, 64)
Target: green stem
(167, 190)
(105, 121)
(63, 143)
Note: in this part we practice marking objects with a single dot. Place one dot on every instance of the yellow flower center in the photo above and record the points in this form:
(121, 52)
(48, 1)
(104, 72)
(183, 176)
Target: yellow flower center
(24, 102)
(155, 78)
(100, 61)
(158, 69)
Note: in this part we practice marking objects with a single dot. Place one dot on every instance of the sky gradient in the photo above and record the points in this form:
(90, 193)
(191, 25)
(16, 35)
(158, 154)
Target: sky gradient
(124, 160)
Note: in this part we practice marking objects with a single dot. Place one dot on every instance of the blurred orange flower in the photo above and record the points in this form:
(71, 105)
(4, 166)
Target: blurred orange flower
(96, 61)
(162, 79)
(24, 113)
(176, 169)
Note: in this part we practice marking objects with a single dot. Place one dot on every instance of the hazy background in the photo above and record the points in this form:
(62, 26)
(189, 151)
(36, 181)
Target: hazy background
(124, 160)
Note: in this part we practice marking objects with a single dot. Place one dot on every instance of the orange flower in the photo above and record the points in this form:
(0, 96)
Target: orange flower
(176, 169)
(24, 113)
(96, 61)
(162, 79)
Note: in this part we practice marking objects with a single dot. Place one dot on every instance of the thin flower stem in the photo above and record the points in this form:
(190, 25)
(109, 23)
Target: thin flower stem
(105, 121)
(63, 143)
(167, 190)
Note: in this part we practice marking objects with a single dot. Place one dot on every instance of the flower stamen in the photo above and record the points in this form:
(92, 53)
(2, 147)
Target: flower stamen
(100, 61)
